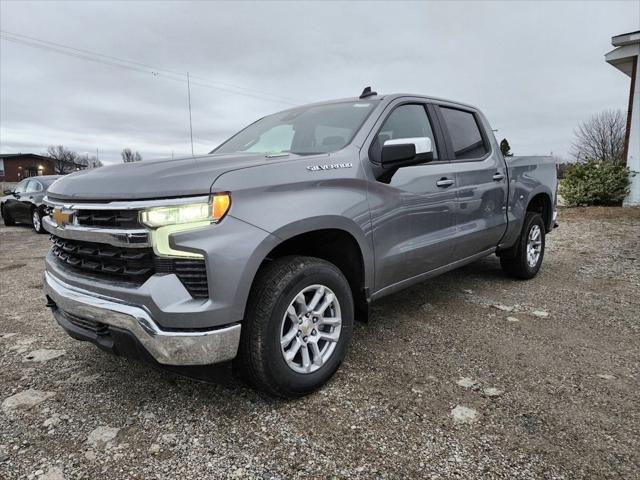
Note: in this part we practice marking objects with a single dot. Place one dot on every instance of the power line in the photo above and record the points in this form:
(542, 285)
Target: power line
(139, 67)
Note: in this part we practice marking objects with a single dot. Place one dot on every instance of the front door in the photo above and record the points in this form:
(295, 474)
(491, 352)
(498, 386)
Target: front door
(412, 207)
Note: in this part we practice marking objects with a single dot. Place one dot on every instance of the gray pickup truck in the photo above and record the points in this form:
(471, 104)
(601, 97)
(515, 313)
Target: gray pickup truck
(265, 250)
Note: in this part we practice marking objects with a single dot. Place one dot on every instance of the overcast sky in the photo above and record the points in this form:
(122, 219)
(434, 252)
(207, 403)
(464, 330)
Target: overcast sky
(536, 69)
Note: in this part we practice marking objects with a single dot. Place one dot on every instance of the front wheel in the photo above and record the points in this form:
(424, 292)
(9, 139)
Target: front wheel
(529, 250)
(36, 220)
(298, 326)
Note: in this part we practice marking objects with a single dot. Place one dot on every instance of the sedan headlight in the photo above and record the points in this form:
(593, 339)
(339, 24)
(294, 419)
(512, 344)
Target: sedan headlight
(165, 221)
(212, 211)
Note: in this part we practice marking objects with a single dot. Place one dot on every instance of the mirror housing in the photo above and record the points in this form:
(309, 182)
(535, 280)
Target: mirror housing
(8, 192)
(403, 152)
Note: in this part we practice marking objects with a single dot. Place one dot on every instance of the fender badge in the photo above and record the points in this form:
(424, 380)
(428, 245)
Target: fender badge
(333, 166)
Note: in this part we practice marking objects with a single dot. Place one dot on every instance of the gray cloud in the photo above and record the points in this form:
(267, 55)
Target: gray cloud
(536, 69)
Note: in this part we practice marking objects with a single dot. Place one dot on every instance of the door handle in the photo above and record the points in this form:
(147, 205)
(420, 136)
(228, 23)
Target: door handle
(445, 182)
(497, 177)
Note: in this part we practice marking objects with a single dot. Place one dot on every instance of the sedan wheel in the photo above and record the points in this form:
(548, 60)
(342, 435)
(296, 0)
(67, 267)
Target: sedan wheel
(36, 220)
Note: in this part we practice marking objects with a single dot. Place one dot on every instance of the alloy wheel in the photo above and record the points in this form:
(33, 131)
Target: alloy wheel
(534, 245)
(310, 329)
(36, 220)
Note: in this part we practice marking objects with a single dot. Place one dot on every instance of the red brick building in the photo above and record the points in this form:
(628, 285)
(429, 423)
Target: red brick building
(16, 166)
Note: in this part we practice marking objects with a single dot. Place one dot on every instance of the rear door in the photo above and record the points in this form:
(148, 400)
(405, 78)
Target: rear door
(480, 181)
(411, 207)
(13, 204)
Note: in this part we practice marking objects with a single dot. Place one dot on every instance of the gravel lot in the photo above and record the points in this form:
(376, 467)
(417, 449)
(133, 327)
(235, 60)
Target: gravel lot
(470, 375)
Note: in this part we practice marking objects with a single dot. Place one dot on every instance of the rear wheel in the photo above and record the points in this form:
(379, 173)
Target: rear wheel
(529, 250)
(8, 220)
(298, 326)
(36, 220)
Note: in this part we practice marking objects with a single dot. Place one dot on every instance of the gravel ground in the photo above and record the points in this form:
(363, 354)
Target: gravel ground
(470, 375)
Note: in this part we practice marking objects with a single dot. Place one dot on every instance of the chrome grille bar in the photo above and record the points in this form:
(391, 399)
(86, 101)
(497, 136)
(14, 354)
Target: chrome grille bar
(117, 237)
(124, 205)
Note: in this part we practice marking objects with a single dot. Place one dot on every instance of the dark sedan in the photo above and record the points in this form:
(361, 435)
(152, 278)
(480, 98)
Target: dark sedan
(24, 204)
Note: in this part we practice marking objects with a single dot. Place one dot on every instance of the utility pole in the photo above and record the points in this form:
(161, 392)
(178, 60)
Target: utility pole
(190, 122)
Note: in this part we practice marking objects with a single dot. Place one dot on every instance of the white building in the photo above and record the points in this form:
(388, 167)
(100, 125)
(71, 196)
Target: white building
(625, 58)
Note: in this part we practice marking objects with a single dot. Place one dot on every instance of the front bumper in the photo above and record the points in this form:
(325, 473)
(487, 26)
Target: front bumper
(73, 306)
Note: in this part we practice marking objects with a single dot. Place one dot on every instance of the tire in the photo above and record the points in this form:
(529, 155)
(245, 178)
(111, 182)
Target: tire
(269, 322)
(521, 265)
(36, 220)
(8, 221)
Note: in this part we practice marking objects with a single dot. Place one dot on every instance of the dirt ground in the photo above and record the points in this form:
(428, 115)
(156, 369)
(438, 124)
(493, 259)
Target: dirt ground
(469, 375)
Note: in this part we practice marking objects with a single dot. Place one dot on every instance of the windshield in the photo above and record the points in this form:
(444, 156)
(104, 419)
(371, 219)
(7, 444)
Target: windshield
(303, 131)
(48, 181)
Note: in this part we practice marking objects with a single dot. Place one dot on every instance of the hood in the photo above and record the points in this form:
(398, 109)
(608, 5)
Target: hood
(153, 179)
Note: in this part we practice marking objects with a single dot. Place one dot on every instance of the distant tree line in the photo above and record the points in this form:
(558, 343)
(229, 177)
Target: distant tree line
(129, 155)
(66, 160)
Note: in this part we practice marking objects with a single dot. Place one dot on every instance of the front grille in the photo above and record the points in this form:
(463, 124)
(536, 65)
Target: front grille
(131, 264)
(108, 218)
(136, 264)
(86, 324)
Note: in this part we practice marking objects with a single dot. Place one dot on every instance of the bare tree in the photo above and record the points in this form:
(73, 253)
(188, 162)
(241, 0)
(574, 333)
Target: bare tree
(95, 163)
(89, 161)
(601, 138)
(65, 160)
(130, 156)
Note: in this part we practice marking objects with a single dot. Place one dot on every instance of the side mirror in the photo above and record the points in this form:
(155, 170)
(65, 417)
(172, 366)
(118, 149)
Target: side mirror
(8, 192)
(402, 152)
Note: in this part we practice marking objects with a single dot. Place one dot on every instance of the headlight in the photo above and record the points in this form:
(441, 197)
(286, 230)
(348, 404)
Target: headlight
(212, 211)
(166, 221)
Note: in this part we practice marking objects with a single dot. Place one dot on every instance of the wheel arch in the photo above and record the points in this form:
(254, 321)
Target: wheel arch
(542, 204)
(332, 240)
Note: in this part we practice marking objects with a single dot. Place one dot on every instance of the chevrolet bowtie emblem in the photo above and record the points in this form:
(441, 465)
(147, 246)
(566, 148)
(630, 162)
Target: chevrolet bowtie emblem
(62, 217)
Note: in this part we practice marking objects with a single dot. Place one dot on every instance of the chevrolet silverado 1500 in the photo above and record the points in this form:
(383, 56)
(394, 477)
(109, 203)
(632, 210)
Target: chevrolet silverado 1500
(265, 250)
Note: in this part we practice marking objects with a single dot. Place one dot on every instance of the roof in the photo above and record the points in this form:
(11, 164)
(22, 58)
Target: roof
(46, 177)
(389, 97)
(18, 155)
(627, 49)
(626, 39)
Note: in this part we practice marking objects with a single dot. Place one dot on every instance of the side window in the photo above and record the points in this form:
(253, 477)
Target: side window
(465, 133)
(407, 121)
(20, 188)
(33, 186)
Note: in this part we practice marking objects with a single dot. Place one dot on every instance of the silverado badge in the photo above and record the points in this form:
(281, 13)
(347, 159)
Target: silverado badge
(333, 166)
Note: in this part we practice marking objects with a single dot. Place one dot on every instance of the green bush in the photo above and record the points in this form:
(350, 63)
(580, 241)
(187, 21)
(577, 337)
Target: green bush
(595, 183)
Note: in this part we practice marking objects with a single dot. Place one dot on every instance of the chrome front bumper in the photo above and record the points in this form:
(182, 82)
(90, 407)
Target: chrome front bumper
(180, 348)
